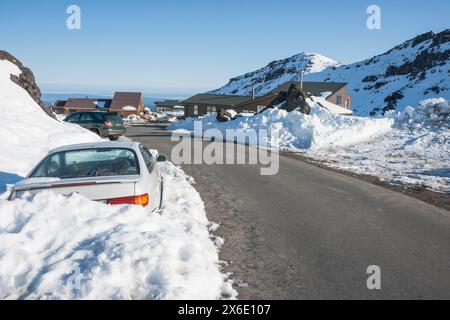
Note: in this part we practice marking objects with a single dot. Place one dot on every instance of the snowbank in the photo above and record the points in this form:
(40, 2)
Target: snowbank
(149, 117)
(433, 112)
(27, 132)
(53, 247)
(411, 148)
(294, 130)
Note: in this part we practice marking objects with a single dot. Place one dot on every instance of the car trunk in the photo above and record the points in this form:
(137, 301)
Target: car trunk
(97, 189)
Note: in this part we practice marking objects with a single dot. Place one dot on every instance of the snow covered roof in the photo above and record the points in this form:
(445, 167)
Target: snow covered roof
(314, 88)
(333, 108)
(217, 99)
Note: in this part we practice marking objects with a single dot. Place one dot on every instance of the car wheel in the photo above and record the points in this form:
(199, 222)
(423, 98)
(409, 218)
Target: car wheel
(113, 138)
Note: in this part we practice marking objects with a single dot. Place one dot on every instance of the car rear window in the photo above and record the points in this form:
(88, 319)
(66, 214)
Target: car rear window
(113, 118)
(100, 162)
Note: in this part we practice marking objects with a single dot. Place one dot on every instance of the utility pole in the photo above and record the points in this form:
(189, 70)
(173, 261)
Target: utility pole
(253, 92)
(302, 75)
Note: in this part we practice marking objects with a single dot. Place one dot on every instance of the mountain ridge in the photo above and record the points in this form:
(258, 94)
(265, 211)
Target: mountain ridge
(417, 69)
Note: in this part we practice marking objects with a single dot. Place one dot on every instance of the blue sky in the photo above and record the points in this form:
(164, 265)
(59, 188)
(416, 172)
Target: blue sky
(186, 46)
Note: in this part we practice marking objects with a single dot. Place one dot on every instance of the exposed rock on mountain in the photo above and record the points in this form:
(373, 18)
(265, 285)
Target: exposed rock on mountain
(26, 80)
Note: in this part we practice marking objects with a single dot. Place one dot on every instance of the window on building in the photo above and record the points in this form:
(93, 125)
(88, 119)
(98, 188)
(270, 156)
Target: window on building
(260, 108)
(211, 110)
(195, 110)
(339, 100)
(347, 104)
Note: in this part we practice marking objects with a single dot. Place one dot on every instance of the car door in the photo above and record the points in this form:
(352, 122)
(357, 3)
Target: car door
(153, 178)
(87, 121)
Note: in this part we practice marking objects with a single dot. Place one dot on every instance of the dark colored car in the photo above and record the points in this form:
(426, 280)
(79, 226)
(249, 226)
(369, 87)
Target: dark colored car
(105, 124)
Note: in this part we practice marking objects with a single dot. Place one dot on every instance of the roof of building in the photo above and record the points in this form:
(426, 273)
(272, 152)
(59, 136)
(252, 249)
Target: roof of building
(168, 103)
(217, 99)
(314, 88)
(126, 99)
(87, 103)
(60, 103)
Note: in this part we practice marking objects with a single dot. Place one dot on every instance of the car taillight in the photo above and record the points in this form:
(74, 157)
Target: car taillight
(142, 200)
(108, 124)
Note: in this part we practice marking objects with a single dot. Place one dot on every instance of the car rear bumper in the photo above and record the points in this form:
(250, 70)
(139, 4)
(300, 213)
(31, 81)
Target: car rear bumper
(114, 132)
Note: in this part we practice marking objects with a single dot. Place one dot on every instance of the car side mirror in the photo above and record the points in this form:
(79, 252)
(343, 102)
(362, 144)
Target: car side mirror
(161, 158)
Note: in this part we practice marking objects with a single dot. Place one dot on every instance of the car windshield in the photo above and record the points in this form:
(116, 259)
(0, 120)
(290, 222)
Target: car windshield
(88, 163)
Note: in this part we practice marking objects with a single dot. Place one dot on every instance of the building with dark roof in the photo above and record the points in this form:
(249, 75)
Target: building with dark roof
(124, 103)
(169, 106)
(203, 104)
(127, 102)
(334, 92)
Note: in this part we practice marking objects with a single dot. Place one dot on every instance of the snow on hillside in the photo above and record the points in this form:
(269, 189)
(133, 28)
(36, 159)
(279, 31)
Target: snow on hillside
(28, 133)
(57, 247)
(410, 148)
(413, 71)
(276, 73)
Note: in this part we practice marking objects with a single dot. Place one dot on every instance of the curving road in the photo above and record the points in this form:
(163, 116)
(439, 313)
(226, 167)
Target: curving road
(310, 233)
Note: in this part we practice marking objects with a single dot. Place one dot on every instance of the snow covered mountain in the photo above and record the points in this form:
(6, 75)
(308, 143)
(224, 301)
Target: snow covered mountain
(276, 73)
(413, 71)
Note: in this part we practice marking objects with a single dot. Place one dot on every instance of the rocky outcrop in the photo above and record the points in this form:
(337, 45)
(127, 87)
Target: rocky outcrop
(293, 99)
(26, 80)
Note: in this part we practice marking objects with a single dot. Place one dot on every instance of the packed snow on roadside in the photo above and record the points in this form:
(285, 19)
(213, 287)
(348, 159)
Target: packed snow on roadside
(414, 153)
(297, 131)
(58, 247)
(410, 148)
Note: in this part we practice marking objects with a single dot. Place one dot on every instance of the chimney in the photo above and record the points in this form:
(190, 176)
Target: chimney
(302, 75)
(253, 92)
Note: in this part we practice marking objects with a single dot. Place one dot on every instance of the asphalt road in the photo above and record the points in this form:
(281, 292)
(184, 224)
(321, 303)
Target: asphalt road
(310, 233)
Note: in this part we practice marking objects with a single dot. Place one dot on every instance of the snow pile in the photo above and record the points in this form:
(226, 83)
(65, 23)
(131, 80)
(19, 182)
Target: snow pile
(294, 130)
(415, 153)
(411, 148)
(56, 247)
(433, 112)
(28, 133)
(149, 117)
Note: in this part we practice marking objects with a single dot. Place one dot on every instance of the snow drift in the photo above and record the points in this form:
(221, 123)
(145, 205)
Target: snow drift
(409, 148)
(28, 133)
(295, 130)
(56, 247)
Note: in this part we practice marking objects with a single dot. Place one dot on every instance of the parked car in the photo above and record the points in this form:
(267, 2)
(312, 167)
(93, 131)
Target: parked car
(105, 124)
(110, 172)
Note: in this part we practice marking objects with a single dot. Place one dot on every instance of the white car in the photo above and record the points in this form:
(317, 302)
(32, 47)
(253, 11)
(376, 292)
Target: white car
(111, 172)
